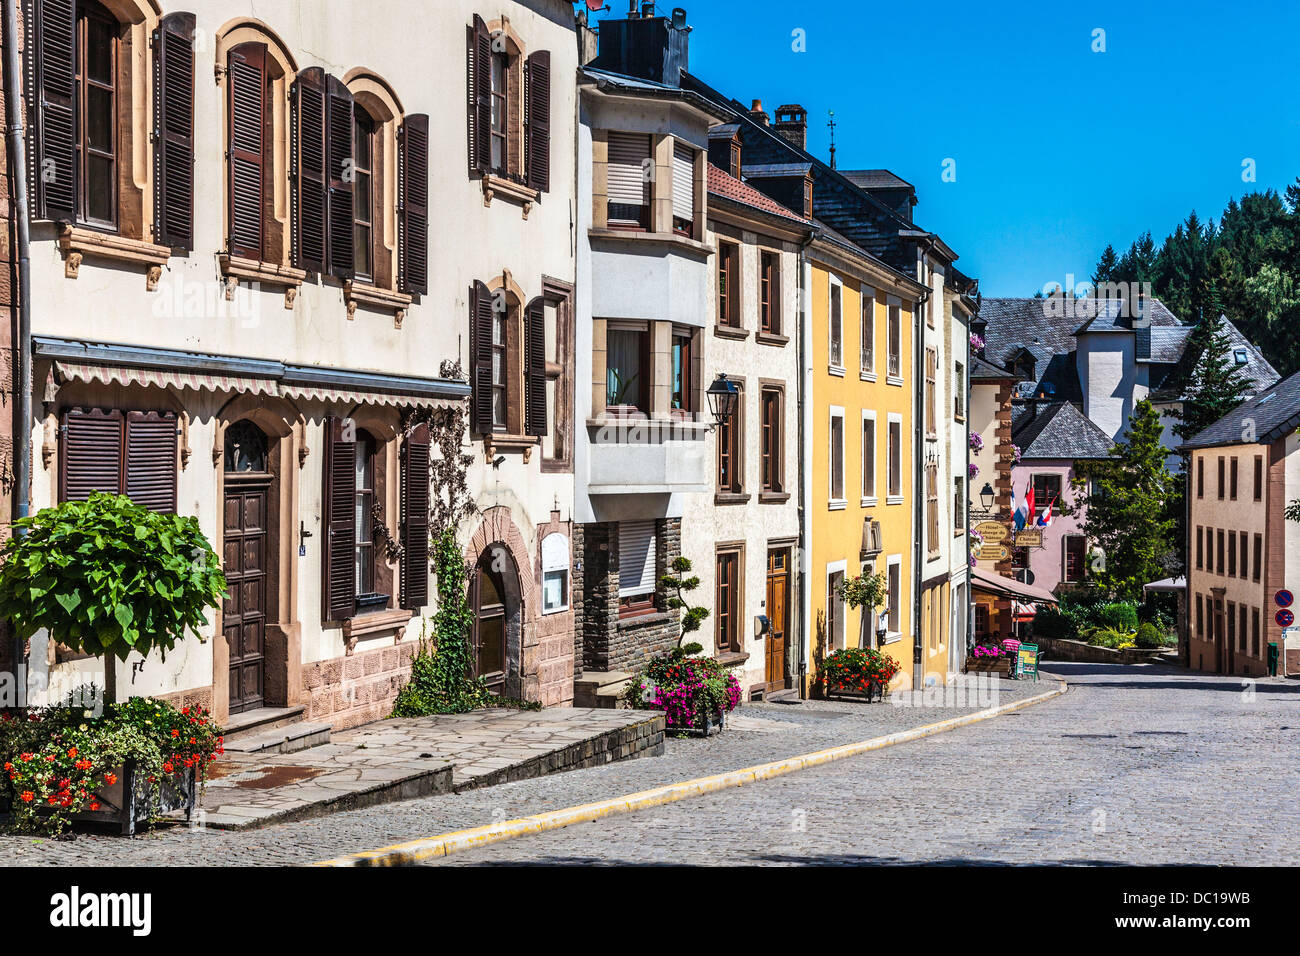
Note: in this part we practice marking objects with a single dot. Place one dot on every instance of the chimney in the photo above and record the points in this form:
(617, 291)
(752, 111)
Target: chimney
(587, 40)
(758, 114)
(646, 46)
(792, 125)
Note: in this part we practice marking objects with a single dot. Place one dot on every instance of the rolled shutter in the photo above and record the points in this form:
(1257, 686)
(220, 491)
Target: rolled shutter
(636, 558)
(342, 254)
(539, 121)
(173, 118)
(535, 337)
(246, 103)
(338, 507)
(309, 158)
(480, 321)
(683, 182)
(151, 460)
(413, 205)
(54, 70)
(415, 519)
(90, 453)
(479, 82)
(626, 177)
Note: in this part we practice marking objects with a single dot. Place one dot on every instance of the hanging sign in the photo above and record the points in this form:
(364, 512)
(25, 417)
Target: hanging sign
(1029, 539)
(991, 531)
(992, 552)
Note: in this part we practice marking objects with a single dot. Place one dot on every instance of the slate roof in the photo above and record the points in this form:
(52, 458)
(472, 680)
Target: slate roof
(875, 179)
(1275, 413)
(1258, 372)
(775, 169)
(723, 184)
(1059, 430)
(981, 370)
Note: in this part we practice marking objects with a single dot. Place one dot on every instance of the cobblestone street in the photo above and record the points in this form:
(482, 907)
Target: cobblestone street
(1119, 770)
(1135, 765)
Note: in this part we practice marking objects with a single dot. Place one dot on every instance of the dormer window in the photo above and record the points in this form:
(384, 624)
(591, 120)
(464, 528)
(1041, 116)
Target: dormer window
(807, 198)
(1240, 356)
(735, 159)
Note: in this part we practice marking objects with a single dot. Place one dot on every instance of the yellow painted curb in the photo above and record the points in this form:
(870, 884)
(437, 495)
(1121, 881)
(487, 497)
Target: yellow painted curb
(414, 851)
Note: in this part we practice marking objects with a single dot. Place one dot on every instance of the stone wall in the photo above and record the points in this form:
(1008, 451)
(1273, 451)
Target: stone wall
(1060, 649)
(359, 688)
(608, 643)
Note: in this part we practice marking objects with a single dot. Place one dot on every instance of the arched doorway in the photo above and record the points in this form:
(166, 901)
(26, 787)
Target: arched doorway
(495, 637)
(245, 558)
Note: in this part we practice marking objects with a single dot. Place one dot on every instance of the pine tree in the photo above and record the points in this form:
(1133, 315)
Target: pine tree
(1126, 516)
(1106, 266)
(1215, 384)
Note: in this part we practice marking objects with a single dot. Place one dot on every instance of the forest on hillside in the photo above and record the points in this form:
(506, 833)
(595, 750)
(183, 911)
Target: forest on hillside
(1246, 266)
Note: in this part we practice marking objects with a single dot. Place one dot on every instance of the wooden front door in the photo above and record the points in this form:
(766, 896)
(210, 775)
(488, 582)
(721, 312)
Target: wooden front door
(244, 556)
(490, 619)
(778, 614)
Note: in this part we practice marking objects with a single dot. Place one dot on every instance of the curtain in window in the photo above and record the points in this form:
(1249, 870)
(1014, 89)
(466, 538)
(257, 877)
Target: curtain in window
(623, 356)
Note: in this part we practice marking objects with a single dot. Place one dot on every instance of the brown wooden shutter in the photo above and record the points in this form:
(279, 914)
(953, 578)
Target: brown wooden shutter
(309, 158)
(415, 519)
(338, 507)
(246, 106)
(480, 321)
(90, 453)
(535, 339)
(479, 81)
(54, 67)
(173, 131)
(539, 121)
(151, 460)
(341, 176)
(413, 205)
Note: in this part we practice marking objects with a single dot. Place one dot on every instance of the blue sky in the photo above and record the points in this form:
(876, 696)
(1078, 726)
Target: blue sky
(1058, 149)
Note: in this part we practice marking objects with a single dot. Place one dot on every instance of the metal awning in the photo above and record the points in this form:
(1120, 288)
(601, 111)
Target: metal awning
(112, 364)
(981, 580)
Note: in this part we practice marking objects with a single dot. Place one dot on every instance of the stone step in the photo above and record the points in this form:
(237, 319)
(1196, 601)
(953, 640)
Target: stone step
(600, 689)
(259, 720)
(281, 740)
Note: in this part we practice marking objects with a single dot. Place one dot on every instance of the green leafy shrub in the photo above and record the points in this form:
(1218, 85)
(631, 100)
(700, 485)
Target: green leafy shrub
(1118, 616)
(106, 576)
(1105, 637)
(1054, 622)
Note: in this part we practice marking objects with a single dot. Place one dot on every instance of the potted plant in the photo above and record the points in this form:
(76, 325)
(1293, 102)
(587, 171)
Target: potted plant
(695, 693)
(987, 657)
(852, 671)
(107, 577)
(866, 590)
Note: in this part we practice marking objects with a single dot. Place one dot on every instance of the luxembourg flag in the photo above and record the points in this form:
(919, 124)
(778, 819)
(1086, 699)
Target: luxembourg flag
(1045, 519)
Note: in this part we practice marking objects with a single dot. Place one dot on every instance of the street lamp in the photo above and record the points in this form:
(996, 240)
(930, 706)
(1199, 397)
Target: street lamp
(986, 496)
(723, 395)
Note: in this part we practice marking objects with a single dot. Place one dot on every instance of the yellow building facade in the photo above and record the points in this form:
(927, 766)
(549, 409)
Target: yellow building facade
(861, 444)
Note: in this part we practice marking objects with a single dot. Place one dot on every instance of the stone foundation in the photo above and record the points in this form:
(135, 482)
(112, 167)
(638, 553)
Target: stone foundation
(358, 689)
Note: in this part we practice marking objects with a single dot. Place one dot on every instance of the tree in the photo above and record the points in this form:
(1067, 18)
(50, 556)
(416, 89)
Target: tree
(680, 584)
(1126, 507)
(107, 577)
(1106, 266)
(1215, 384)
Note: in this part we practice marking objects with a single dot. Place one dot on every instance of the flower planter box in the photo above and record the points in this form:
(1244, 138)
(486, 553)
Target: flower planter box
(874, 691)
(713, 724)
(989, 665)
(126, 803)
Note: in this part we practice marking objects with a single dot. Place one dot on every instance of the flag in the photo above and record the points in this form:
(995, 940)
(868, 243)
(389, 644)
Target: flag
(1030, 511)
(1045, 519)
(1017, 510)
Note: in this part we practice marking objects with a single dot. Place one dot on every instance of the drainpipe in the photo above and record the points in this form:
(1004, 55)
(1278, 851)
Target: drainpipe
(23, 373)
(805, 464)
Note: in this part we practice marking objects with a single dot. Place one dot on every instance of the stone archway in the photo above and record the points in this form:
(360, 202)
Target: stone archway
(498, 533)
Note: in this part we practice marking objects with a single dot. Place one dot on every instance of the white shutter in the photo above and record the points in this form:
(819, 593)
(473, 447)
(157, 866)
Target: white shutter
(628, 153)
(683, 182)
(636, 558)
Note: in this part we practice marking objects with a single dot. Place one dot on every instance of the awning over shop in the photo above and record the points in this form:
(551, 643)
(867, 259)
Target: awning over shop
(1023, 612)
(138, 365)
(1172, 585)
(982, 580)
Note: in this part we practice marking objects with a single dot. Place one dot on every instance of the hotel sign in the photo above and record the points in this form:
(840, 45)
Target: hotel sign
(992, 552)
(992, 532)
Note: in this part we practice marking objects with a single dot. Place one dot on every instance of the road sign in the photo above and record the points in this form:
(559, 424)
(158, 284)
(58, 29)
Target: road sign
(1284, 618)
(992, 532)
(1283, 598)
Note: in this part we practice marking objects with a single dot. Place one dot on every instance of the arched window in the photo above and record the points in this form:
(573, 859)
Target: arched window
(245, 449)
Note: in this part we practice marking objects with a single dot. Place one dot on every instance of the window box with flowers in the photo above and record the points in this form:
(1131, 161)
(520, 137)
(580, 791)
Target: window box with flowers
(989, 658)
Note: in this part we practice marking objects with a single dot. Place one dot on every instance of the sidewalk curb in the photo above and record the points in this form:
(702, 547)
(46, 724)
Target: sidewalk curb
(415, 851)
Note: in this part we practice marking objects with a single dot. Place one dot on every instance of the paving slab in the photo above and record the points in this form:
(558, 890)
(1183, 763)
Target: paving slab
(417, 757)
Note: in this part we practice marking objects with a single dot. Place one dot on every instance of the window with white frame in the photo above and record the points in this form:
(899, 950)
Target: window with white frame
(837, 454)
(894, 594)
(835, 607)
(836, 325)
(868, 456)
(868, 359)
(895, 487)
(555, 573)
